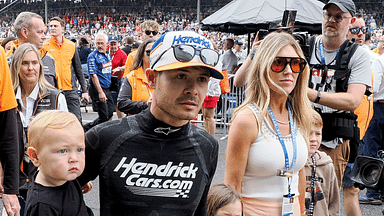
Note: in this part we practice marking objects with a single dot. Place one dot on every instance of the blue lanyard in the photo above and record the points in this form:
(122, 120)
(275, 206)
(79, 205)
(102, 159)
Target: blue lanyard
(283, 144)
(321, 48)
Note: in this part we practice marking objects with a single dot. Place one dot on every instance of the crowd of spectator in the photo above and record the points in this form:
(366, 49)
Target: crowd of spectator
(122, 18)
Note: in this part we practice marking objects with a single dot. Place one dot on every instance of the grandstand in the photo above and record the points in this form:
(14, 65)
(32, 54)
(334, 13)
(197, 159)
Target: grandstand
(144, 7)
(124, 13)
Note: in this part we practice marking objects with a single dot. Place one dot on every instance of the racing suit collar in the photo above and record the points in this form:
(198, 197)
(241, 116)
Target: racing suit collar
(156, 127)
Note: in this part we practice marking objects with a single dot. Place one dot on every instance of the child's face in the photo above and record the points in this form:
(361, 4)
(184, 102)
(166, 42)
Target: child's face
(231, 209)
(61, 157)
(314, 139)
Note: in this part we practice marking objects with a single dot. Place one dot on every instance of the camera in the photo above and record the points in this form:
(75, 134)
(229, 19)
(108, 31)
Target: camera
(368, 171)
(301, 37)
(263, 33)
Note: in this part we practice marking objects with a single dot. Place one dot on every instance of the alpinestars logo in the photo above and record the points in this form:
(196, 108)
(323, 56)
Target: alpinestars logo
(166, 131)
(148, 179)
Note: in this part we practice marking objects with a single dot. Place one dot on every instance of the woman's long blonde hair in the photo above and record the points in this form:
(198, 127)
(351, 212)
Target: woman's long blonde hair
(258, 90)
(16, 62)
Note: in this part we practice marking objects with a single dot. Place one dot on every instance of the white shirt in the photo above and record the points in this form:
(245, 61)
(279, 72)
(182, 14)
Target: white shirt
(27, 109)
(241, 56)
(265, 157)
(378, 73)
(373, 55)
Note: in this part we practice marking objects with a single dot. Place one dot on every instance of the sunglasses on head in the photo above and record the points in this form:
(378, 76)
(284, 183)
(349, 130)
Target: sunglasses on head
(297, 64)
(185, 53)
(147, 32)
(356, 30)
(148, 52)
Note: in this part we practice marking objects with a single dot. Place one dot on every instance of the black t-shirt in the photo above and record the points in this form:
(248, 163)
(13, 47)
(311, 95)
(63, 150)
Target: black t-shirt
(147, 167)
(64, 200)
(84, 53)
(127, 49)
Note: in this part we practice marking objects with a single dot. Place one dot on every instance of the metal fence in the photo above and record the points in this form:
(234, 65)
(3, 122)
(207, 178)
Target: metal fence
(225, 108)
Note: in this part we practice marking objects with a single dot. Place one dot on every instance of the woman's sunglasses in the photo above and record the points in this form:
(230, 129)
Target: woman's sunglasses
(154, 33)
(297, 64)
(185, 53)
(148, 52)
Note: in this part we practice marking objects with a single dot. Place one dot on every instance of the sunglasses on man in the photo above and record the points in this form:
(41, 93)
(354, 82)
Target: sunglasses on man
(154, 33)
(297, 64)
(356, 30)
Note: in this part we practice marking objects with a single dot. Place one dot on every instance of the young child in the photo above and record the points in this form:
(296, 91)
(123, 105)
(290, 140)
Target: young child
(223, 200)
(56, 147)
(322, 192)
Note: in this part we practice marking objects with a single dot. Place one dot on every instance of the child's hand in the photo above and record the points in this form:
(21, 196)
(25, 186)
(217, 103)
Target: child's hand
(87, 187)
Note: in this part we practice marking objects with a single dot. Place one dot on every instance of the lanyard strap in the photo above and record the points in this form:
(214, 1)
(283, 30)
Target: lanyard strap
(283, 144)
(321, 48)
(313, 179)
(325, 68)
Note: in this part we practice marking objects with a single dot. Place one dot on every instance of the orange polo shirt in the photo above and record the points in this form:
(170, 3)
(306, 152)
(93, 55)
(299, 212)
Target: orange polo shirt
(129, 62)
(7, 95)
(63, 55)
(139, 84)
(364, 112)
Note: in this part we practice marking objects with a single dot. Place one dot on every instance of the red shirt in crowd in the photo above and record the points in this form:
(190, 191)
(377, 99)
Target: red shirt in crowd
(118, 59)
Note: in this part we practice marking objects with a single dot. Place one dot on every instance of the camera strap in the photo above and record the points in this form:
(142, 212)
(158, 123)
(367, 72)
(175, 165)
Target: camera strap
(287, 172)
(313, 179)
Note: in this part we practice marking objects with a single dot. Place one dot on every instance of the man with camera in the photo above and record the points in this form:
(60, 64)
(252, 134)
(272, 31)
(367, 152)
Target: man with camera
(372, 141)
(357, 33)
(337, 86)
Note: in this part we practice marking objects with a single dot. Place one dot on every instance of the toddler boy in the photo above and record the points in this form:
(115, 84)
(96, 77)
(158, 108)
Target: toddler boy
(56, 146)
(322, 192)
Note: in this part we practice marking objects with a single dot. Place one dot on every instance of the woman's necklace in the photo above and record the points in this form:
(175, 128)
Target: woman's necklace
(284, 123)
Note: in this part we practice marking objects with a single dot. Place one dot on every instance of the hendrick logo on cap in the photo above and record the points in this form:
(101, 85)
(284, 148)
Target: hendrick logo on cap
(194, 41)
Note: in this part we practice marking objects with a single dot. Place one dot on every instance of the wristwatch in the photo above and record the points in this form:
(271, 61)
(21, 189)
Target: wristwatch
(318, 96)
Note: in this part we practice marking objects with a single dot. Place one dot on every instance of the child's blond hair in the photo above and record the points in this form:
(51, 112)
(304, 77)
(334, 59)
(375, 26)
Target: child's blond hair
(316, 119)
(55, 119)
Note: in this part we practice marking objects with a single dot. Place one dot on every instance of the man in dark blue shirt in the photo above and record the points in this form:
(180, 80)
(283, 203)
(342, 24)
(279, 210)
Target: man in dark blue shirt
(99, 68)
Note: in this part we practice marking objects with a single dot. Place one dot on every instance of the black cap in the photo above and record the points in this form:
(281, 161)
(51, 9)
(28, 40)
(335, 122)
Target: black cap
(239, 42)
(347, 6)
(136, 44)
(84, 41)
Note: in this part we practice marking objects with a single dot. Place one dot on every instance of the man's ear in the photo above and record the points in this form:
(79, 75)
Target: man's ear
(33, 156)
(151, 77)
(24, 32)
(353, 20)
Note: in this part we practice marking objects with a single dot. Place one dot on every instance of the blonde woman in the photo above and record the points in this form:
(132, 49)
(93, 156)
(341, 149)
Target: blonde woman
(29, 84)
(266, 142)
(33, 94)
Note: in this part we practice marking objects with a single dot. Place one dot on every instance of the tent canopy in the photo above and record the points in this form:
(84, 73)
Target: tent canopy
(247, 16)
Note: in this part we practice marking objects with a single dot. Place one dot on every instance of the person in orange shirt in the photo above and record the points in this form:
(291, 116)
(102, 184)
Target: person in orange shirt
(8, 140)
(68, 65)
(149, 29)
(135, 92)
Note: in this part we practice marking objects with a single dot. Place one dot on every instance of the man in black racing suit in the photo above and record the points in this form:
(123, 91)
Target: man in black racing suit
(157, 162)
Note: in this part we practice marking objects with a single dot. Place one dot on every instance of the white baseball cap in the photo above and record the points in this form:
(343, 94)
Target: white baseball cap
(184, 44)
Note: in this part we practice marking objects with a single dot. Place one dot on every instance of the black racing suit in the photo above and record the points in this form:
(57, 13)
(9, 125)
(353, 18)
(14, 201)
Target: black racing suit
(147, 167)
